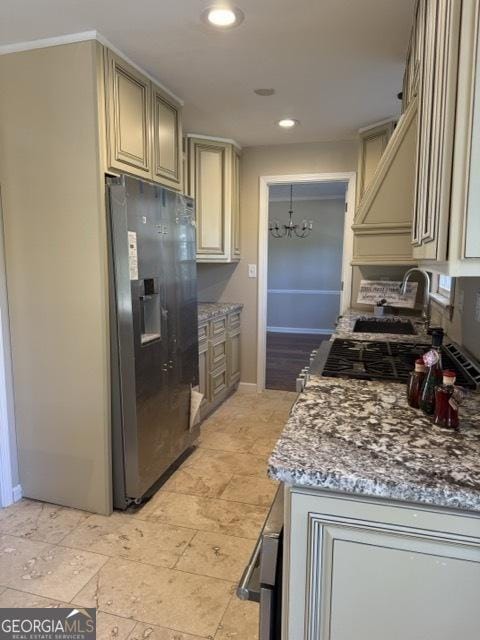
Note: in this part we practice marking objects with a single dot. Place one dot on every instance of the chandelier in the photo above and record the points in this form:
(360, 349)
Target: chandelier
(290, 229)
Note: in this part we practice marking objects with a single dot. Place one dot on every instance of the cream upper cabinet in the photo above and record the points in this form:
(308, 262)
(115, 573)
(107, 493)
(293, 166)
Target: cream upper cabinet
(213, 168)
(446, 231)
(144, 126)
(167, 140)
(383, 220)
(373, 141)
(128, 118)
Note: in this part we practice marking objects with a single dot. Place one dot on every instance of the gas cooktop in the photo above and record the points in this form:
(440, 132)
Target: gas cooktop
(391, 361)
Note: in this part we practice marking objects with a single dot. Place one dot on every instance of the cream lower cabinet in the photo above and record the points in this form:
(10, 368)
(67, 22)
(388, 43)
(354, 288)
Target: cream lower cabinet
(213, 180)
(144, 125)
(365, 569)
(219, 359)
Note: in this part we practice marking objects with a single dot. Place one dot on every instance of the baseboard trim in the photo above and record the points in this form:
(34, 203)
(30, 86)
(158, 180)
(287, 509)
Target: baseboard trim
(17, 493)
(322, 332)
(247, 387)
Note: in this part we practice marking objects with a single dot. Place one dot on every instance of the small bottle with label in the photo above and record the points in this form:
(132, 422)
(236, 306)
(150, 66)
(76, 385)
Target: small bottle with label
(433, 377)
(415, 384)
(446, 406)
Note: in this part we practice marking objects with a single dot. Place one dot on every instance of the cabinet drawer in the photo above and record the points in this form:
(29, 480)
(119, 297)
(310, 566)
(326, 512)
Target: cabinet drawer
(218, 327)
(218, 382)
(234, 320)
(218, 353)
(203, 332)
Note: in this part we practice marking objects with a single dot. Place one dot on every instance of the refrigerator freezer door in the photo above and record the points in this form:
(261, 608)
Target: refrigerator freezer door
(151, 378)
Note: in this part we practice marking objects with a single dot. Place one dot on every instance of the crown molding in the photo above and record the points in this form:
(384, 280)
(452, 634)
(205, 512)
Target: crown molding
(83, 36)
(202, 136)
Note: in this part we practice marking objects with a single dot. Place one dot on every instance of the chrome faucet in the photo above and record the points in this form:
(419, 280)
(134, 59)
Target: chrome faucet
(426, 292)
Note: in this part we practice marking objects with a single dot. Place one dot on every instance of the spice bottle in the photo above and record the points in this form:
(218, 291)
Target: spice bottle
(433, 378)
(415, 383)
(446, 407)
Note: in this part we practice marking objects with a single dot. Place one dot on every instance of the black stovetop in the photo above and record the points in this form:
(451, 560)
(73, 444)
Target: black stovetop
(391, 361)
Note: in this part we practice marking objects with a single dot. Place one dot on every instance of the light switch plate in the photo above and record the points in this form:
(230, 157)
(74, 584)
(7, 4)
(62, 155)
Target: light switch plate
(477, 306)
(252, 270)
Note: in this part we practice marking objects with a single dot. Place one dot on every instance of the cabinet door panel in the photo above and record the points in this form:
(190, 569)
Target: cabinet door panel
(233, 359)
(167, 137)
(236, 249)
(128, 118)
(203, 375)
(210, 199)
(472, 216)
(218, 383)
(380, 590)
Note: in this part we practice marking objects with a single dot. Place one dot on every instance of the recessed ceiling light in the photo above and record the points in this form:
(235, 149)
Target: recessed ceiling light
(287, 123)
(223, 16)
(264, 92)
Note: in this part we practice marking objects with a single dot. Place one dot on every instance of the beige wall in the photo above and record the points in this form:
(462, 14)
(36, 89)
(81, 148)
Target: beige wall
(55, 245)
(321, 157)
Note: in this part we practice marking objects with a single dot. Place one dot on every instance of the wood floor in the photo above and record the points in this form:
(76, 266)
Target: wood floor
(287, 354)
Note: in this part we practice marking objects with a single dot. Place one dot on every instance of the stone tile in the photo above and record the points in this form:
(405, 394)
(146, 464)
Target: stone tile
(45, 570)
(12, 598)
(154, 595)
(213, 462)
(206, 514)
(195, 482)
(240, 621)
(225, 441)
(216, 555)
(264, 445)
(39, 520)
(109, 627)
(151, 632)
(250, 490)
(124, 536)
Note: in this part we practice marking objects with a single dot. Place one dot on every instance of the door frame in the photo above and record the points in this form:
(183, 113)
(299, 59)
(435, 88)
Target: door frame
(8, 493)
(345, 298)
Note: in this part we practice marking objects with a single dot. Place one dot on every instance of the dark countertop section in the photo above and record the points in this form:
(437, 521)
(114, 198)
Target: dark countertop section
(362, 438)
(208, 310)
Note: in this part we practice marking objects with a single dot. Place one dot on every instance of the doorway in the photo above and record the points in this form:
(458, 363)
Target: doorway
(304, 282)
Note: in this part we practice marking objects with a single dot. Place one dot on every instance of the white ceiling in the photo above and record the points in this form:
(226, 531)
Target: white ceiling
(308, 191)
(336, 65)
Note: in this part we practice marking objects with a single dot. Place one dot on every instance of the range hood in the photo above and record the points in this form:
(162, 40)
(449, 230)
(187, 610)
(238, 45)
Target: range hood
(383, 221)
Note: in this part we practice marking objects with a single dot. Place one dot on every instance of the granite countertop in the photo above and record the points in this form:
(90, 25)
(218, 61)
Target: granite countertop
(208, 310)
(362, 438)
(345, 323)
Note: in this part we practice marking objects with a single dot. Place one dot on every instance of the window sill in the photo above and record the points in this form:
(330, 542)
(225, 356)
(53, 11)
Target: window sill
(442, 301)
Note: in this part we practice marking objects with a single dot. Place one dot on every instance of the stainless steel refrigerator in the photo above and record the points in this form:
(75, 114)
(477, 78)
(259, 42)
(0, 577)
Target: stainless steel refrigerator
(154, 332)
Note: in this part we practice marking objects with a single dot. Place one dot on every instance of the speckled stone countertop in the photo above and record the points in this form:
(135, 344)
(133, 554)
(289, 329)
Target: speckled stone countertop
(208, 310)
(362, 438)
(345, 323)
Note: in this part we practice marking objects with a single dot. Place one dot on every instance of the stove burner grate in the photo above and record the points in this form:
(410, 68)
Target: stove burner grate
(391, 361)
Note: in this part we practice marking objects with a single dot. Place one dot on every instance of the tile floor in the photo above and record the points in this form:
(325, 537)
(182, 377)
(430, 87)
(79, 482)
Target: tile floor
(167, 570)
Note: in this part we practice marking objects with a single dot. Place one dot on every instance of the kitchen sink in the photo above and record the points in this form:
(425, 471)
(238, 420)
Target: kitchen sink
(382, 325)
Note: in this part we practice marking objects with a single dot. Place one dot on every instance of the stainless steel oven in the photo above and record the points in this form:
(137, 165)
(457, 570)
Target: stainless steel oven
(262, 579)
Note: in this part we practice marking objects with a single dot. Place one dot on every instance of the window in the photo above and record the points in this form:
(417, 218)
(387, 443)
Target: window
(445, 285)
(443, 289)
